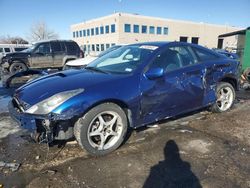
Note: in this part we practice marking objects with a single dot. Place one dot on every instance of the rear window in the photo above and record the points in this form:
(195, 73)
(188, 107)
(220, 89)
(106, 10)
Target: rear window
(204, 55)
(72, 47)
(7, 49)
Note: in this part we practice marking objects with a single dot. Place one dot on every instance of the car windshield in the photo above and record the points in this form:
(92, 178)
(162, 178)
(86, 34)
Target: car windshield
(123, 60)
(109, 50)
(30, 49)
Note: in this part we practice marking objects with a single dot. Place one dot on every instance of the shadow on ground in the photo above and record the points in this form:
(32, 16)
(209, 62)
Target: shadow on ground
(172, 172)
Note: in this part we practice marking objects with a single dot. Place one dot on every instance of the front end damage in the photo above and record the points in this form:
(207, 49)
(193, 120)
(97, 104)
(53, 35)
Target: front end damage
(43, 128)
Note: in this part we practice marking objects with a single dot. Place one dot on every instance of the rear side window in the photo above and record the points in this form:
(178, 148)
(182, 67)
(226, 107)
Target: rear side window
(7, 49)
(72, 48)
(56, 47)
(1, 50)
(204, 55)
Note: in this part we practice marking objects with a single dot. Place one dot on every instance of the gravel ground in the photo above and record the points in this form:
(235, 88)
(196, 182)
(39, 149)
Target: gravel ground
(196, 150)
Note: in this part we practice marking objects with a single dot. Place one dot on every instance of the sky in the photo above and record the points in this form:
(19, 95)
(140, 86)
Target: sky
(19, 15)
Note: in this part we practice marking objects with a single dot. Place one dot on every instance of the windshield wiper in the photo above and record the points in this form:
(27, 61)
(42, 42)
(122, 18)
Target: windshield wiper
(95, 69)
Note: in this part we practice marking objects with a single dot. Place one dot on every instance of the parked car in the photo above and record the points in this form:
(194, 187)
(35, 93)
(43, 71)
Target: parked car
(10, 48)
(227, 54)
(132, 86)
(82, 62)
(46, 54)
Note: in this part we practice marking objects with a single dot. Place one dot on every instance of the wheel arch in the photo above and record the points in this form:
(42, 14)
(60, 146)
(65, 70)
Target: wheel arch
(231, 80)
(120, 103)
(68, 58)
(18, 61)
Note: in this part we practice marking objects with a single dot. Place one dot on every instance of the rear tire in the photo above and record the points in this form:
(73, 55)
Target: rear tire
(102, 129)
(225, 94)
(17, 67)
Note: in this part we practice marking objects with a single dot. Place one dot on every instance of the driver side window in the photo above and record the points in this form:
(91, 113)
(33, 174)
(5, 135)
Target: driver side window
(173, 58)
(43, 48)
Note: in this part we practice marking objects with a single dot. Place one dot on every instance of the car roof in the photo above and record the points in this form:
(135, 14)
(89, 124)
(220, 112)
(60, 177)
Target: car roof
(165, 43)
(159, 44)
(53, 40)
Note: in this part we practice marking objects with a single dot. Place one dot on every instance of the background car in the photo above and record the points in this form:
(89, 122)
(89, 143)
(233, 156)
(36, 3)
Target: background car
(46, 54)
(82, 62)
(227, 54)
(10, 48)
(132, 86)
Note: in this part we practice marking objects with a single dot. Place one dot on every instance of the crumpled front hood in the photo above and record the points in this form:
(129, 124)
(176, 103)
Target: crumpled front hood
(44, 87)
(17, 54)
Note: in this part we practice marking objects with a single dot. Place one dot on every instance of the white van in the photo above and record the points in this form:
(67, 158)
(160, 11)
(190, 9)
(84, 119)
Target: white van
(9, 48)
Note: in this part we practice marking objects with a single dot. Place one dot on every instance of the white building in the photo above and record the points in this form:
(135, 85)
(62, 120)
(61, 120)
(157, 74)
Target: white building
(122, 28)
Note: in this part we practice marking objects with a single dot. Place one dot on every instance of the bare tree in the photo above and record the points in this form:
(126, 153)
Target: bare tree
(13, 40)
(40, 31)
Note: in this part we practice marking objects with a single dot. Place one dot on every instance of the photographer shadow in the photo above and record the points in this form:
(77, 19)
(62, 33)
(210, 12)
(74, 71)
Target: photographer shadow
(172, 172)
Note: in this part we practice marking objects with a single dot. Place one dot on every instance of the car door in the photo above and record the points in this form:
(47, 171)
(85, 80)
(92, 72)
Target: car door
(58, 52)
(180, 88)
(41, 57)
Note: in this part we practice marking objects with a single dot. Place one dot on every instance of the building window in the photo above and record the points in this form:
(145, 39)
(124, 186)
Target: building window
(107, 29)
(93, 47)
(183, 39)
(152, 30)
(74, 34)
(165, 31)
(136, 28)
(158, 30)
(101, 30)
(92, 32)
(102, 47)
(80, 33)
(97, 47)
(88, 32)
(144, 29)
(84, 33)
(127, 28)
(195, 40)
(107, 46)
(84, 48)
(97, 30)
(113, 28)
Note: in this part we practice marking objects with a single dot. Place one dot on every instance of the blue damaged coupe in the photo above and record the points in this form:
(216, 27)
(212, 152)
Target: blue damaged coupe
(130, 87)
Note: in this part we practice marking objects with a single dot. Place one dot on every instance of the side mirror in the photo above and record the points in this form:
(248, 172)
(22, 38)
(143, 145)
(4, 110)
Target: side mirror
(154, 73)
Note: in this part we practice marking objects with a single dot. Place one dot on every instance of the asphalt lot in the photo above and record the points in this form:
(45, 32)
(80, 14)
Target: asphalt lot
(200, 149)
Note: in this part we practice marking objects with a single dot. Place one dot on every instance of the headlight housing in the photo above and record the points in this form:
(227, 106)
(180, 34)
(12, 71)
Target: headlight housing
(51, 103)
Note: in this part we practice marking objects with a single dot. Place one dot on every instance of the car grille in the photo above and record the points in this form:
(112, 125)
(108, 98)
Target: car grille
(19, 105)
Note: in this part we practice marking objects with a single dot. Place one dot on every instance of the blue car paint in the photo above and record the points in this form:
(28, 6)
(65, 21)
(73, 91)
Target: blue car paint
(177, 92)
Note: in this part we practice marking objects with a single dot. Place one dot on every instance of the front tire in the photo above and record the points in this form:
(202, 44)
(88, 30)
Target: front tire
(102, 129)
(17, 67)
(225, 94)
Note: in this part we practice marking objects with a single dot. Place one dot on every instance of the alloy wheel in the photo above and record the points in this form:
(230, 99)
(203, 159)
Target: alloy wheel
(225, 98)
(105, 130)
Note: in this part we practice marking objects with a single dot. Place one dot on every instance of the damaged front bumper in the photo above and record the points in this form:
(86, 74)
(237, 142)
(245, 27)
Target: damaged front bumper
(48, 127)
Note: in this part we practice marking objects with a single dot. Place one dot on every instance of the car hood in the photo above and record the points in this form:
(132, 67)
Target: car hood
(81, 61)
(17, 54)
(44, 87)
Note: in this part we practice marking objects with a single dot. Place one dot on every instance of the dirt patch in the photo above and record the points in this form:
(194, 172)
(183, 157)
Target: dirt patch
(199, 150)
